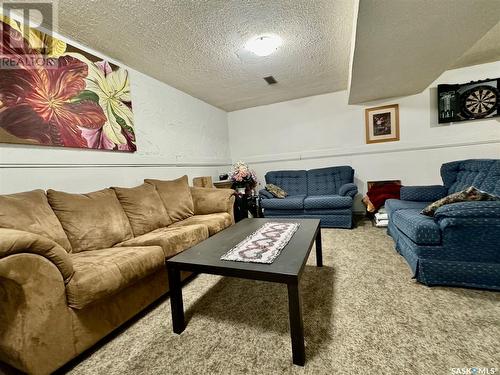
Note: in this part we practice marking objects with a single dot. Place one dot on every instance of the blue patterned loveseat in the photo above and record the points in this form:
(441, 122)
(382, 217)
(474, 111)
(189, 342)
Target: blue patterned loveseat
(326, 194)
(460, 246)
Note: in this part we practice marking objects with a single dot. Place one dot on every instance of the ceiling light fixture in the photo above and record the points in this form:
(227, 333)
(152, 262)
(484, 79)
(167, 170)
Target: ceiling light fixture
(264, 45)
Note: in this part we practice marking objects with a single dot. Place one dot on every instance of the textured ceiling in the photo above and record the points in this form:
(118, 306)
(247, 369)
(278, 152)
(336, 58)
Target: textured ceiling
(403, 46)
(487, 49)
(197, 46)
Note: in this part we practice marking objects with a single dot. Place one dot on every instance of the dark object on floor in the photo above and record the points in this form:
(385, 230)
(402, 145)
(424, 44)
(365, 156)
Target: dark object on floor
(244, 205)
(240, 207)
(459, 245)
(325, 193)
(379, 192)
(286, 269)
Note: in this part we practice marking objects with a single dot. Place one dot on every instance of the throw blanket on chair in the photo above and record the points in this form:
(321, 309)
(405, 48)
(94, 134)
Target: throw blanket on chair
(379, 193)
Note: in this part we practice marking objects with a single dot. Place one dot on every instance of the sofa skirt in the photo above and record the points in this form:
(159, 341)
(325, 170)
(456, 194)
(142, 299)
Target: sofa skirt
(343, 220)
(432, 271)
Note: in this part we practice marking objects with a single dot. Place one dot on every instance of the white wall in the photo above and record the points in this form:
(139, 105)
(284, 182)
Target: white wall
(323, 130)
(176, 134)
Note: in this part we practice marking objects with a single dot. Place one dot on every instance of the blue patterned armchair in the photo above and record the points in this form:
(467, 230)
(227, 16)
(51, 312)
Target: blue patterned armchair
(460, 245)
(325, 193)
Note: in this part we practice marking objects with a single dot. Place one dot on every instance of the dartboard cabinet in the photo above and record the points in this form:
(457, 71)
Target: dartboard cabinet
(469, 101)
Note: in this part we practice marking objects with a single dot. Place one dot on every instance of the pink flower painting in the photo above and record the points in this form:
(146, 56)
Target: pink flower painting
(61, 97)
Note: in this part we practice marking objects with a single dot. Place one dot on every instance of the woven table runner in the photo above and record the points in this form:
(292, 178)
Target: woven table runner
(263, 245)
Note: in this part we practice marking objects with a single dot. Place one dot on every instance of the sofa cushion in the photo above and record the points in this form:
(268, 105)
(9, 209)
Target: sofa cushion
(176, 197)
(143, 207)
(327, 181)
(422, 230)
(491, 183)
(482, 173)
(327, 201)
(101, 273)
(427, 193)
(393, 205)
(283, 213)
(295, 202)
(328, 212)
(293, 182)
(91, 221)
(171, 240)
(30, 211)
(211, 200)
(214, 222)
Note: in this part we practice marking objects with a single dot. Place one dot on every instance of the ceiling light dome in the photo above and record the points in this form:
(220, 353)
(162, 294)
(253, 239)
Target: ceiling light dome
(264, 45)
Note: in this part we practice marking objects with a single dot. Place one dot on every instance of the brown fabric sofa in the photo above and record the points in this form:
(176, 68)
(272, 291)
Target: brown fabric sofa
(73, 267)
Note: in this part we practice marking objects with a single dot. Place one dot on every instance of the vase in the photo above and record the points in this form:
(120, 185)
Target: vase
(240, 190)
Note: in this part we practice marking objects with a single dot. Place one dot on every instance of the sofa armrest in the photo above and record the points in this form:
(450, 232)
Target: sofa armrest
(35, 321)
(213, 200)
(470, 231)
(428, 193)
(17, 241)
(480, 217)
(350, 189)
(470, 211)
(264, 194)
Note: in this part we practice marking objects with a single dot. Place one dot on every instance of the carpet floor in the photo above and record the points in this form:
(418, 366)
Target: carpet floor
(363, 314)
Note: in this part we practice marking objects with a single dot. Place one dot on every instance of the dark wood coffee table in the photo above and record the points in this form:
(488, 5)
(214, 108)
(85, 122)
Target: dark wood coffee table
(286, 268)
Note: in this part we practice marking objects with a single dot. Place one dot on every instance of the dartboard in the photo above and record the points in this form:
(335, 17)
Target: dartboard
(480, 101)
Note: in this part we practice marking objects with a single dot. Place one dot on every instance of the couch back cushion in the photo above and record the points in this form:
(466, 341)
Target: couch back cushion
(143, 207)
(176, 197)
(491, 183)
(484, 174)
(30, 212)
(91, 221)
(327, 181)
(293, 182)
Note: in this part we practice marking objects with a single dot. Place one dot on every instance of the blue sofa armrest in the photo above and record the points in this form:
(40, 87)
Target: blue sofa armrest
(348, 189)
(470, 211)
(429, 193)
(470, 231)
(264, 194)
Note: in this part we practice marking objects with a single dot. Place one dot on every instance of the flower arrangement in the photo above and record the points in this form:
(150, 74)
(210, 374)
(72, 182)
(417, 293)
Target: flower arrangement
(242, 176)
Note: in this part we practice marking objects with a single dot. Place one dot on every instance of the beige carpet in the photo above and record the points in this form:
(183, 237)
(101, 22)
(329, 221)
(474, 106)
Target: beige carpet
(363, 314)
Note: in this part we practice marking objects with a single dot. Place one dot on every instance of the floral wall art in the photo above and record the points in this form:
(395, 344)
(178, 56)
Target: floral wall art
(54, 94)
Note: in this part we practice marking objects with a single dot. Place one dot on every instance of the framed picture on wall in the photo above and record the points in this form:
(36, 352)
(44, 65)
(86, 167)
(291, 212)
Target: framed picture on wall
(382, 124)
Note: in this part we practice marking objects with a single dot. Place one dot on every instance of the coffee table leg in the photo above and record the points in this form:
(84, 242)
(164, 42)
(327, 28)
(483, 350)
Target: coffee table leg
(319, 251)
(176, 305)
(296, 325)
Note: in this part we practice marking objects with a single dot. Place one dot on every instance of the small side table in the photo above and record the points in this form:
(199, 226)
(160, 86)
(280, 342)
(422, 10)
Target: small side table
(227, 184)
(245, 204)
(254, 206)
(240, 207)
